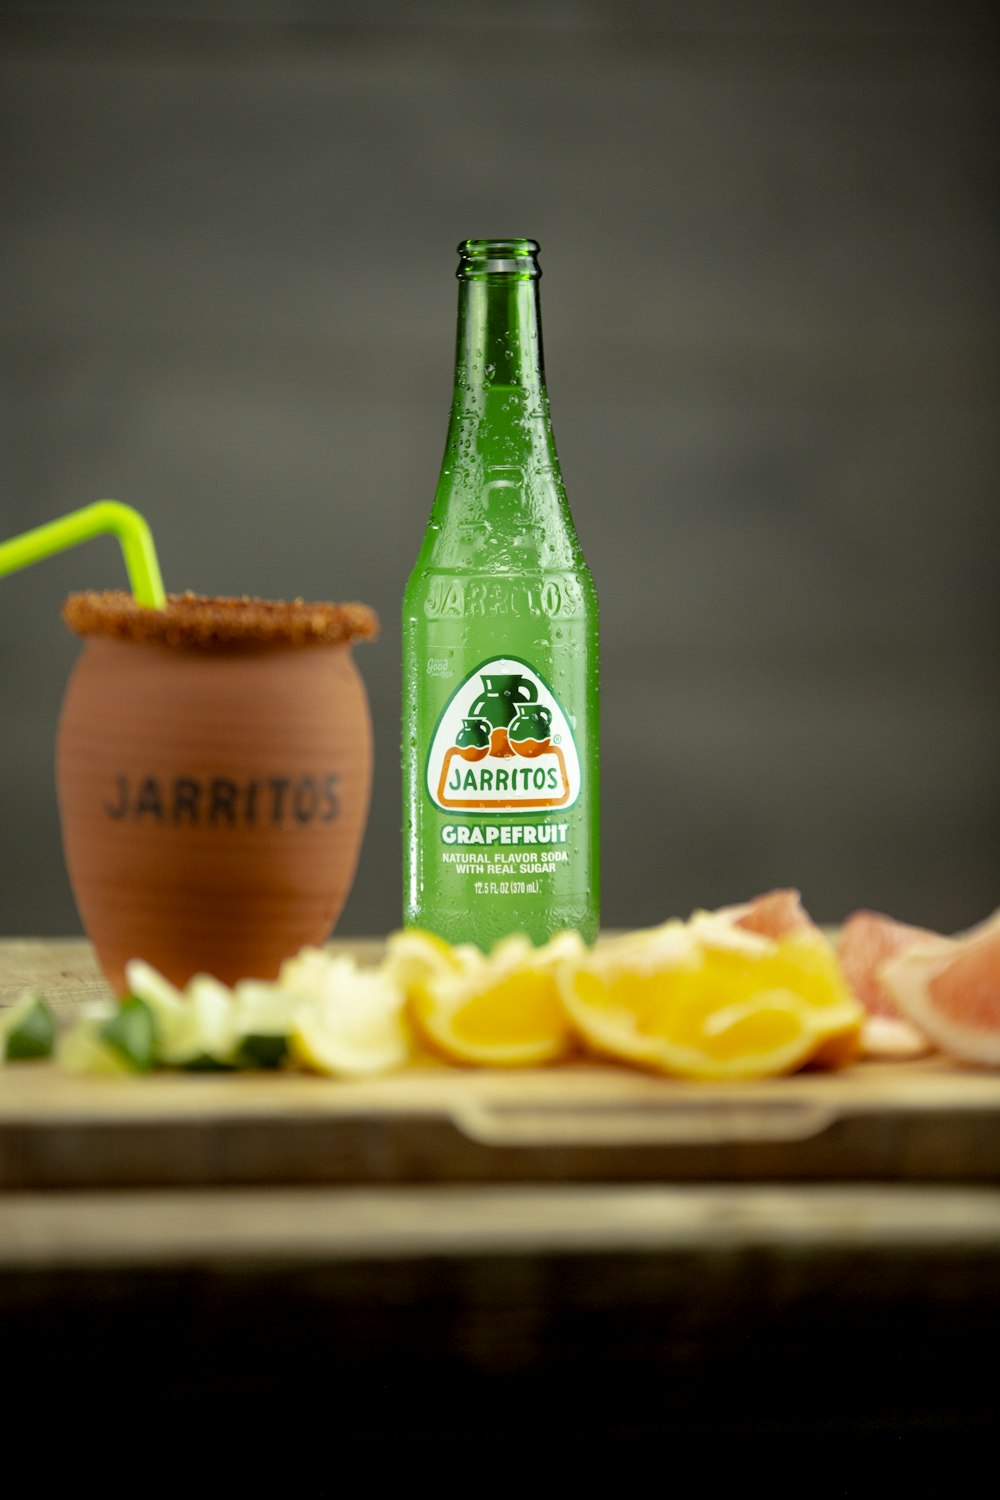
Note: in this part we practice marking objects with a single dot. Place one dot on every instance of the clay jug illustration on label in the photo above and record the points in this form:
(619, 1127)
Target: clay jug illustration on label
(530, 733)
(473, 739)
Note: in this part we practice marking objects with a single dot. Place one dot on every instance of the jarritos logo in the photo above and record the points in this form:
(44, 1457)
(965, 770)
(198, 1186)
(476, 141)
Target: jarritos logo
(503, 743)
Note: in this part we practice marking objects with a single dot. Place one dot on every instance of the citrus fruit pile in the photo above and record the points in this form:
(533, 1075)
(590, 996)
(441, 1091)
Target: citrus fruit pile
(717, 997)
(322, 1013)
(749, 991)
(700, 999)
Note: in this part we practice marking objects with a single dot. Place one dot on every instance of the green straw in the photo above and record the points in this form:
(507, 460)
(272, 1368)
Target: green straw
(104, 517)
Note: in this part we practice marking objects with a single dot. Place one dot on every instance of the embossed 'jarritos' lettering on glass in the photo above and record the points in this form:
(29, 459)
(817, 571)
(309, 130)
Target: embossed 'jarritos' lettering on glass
(500, 711)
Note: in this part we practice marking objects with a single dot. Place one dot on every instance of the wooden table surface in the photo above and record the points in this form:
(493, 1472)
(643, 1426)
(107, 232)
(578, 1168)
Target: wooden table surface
(811, 1208)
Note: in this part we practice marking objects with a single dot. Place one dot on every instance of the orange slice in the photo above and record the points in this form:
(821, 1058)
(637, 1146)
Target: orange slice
(504, 1012)
(734, 1005)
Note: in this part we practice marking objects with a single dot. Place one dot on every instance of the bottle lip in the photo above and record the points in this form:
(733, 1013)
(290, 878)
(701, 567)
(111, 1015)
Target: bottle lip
(482, 258)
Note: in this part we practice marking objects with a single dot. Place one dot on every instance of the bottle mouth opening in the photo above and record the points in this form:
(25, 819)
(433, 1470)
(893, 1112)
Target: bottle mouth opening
(508, 257)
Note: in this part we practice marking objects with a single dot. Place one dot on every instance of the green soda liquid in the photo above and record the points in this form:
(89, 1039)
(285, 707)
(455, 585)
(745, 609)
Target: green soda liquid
(500, 646)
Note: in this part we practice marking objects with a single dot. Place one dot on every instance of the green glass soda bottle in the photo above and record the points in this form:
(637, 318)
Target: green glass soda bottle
(500, 646)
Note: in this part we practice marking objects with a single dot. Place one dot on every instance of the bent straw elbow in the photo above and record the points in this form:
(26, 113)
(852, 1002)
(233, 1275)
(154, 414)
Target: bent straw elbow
(138, 550)
(103, 517)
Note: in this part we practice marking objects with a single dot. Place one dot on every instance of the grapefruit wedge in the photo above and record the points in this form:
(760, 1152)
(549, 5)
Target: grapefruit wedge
(867, 941)
(950, 989)
(776, 914)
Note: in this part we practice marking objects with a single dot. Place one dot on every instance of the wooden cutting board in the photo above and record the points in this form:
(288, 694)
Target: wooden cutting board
(924, 1121)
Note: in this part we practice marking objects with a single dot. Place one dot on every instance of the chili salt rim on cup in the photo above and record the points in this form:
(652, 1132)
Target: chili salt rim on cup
(197, 620)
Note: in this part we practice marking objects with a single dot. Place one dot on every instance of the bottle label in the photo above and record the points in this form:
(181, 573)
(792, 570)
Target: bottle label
(503, 744)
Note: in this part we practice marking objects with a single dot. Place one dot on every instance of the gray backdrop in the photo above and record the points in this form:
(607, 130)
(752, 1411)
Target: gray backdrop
(770, 242)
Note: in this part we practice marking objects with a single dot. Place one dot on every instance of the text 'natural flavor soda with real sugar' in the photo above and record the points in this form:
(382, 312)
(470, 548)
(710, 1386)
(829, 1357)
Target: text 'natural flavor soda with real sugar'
(500, 648)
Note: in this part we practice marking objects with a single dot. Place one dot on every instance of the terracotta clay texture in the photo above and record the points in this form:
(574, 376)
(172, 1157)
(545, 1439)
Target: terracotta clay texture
(213, 797)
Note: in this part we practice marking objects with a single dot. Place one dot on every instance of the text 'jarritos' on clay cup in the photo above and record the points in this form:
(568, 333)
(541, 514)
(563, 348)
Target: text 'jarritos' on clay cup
(213, 765)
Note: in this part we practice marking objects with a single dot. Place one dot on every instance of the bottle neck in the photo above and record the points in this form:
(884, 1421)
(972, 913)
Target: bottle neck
(498, 358)
(500, 418)
(500, 502)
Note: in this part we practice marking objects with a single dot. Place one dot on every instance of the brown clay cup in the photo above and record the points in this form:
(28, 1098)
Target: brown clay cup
(213, 766)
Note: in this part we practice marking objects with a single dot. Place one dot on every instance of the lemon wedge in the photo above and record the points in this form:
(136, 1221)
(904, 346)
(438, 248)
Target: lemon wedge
(414, 956)
(348, 1022)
